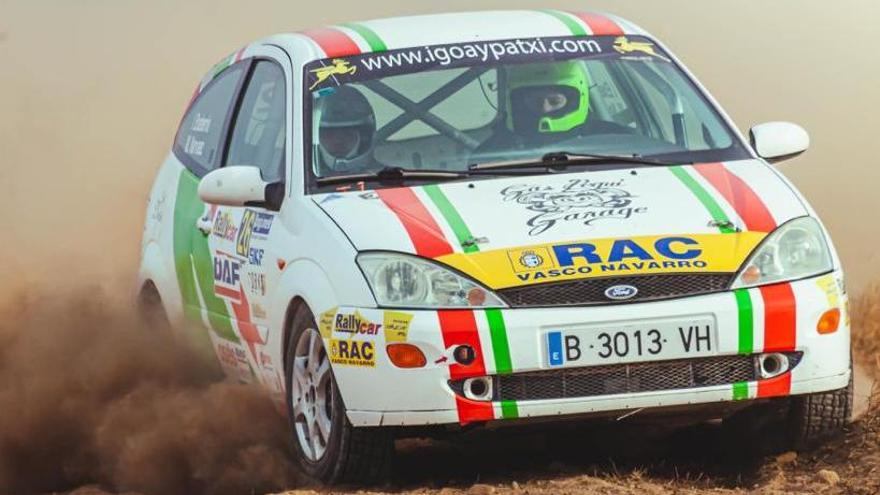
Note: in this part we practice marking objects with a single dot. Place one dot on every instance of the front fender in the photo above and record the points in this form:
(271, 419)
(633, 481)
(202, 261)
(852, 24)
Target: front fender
(307, 280)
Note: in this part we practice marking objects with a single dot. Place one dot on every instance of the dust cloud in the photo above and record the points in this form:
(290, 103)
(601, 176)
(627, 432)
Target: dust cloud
(89, 394)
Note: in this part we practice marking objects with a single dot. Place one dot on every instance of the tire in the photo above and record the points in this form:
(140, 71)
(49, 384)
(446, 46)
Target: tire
(151, 311)
(344, 454)
(814, 418)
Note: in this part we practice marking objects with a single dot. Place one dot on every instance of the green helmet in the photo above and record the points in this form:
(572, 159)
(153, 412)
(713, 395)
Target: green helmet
(547, 97)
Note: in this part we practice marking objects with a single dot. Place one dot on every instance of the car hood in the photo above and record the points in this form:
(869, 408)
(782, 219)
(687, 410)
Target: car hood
(515, 231)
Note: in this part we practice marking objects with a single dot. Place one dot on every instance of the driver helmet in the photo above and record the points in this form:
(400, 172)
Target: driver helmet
(547, 97)
(346, 131)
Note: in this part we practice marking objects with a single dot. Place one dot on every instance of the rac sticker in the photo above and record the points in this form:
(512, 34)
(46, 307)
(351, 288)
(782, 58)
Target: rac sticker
(697, 253)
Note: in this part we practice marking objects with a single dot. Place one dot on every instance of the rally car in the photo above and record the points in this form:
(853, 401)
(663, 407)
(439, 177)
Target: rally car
(486, 219)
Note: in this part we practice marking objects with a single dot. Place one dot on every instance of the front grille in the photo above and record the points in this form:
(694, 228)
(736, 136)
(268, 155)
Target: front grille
(592, 291)
(618, 379)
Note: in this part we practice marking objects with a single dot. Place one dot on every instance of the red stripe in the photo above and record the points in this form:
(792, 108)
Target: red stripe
(226, 292)
(459, 327)
(334, 42)
(780, 333)
(246, 327)
(780, 318)
(599, 24)
(779, 386)
(741, 197)
(425, 234)
(239, 54)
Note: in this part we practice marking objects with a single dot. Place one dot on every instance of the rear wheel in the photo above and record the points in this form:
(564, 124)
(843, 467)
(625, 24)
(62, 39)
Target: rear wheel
(328, 447)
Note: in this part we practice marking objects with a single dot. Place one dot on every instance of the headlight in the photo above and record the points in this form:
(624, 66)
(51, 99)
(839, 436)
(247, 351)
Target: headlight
(399, 280)
(795, 250)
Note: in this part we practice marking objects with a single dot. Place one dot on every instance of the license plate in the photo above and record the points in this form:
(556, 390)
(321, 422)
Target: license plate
(650, 341)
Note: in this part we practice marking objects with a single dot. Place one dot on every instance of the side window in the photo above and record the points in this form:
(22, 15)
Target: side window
(199, 137)
(258, 133)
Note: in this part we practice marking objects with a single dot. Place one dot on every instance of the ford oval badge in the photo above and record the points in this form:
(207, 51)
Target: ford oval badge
(621, 292)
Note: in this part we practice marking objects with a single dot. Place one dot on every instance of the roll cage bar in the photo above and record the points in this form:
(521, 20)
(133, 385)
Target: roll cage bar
(421, 110)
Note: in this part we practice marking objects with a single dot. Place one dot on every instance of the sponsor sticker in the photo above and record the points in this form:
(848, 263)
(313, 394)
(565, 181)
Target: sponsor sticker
(554, 262)
(531, 259)
(263, 223)
(353, 352)
(227, 276)
(245, 230)
(829, 286)
(258, 311)
(328, 73)
(224, 226)
(578, 200)
(257, 283)
(626, 46)
(325, 322)
(356, 324)
(255, 256)
(396, 326)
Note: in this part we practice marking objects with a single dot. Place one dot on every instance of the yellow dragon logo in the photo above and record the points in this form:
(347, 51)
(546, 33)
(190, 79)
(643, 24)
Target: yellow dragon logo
(623, 45)
(339, 67)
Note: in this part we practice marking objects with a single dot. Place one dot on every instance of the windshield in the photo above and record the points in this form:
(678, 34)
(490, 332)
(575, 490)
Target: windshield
(448, 107)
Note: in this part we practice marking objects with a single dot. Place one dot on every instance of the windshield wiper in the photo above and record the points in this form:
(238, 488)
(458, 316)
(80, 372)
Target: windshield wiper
(393, 174)
(562, 159)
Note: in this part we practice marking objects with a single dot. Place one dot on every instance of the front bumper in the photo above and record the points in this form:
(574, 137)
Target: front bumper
(780, 318)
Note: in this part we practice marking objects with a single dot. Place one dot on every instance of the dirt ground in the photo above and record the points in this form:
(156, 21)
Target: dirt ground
(98, 402)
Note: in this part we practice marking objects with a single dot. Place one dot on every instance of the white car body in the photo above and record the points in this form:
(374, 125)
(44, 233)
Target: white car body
(233, 288)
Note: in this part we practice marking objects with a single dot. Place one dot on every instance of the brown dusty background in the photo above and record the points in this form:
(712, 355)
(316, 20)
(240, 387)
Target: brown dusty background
(91, 92)
(90, 95)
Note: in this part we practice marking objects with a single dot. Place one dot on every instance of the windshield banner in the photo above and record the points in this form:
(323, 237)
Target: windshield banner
(328, 73)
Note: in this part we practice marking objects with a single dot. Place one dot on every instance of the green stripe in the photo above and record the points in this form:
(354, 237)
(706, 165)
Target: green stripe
(572, 25)
(192, 254)
(450, 214)
(740, 391)
(509, 409)
(500, 345)
(373, 39)
(705, 197)
(746, 321)
(497, 328)
(222, 65)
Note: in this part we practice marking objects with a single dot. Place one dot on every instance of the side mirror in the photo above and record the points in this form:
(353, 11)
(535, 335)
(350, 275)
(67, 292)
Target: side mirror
(233, 186)
(778, 141)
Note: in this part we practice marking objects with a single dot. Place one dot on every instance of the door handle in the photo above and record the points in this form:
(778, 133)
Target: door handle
(204, 225)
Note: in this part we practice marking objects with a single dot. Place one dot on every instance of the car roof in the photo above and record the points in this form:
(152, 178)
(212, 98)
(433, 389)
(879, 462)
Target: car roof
(415, 31)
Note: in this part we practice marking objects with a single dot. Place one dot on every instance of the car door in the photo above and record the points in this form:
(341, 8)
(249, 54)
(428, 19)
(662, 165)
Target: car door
(240, 239)
(199, 147)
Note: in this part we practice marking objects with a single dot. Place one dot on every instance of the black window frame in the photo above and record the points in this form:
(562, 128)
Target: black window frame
(193, 166)
(239, 100)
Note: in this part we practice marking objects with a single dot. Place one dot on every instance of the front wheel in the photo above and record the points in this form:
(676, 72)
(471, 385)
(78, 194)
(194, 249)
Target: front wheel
(328, 447)
(814, 418)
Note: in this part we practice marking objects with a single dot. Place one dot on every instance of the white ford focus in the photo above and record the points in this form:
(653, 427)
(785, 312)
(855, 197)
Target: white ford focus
(491, 218)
